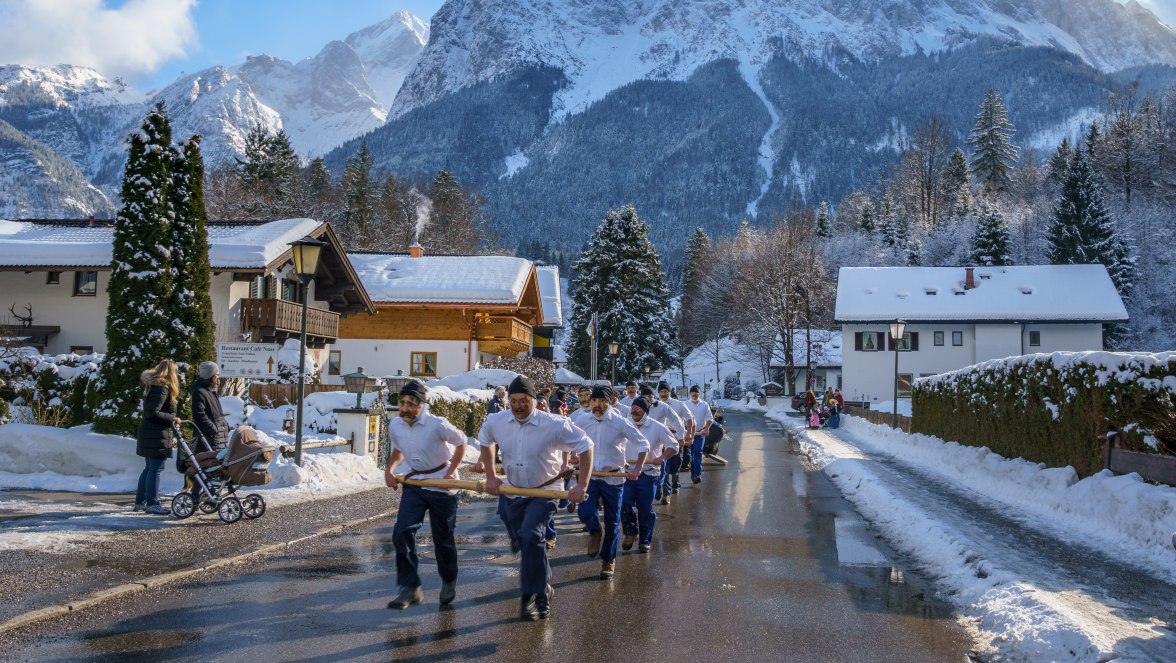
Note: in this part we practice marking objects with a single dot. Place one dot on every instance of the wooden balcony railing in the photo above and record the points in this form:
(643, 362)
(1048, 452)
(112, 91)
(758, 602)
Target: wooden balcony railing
(276, 320)
(504, 335)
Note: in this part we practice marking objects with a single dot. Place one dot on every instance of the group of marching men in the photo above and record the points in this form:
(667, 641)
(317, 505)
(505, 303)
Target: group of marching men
(641, 440)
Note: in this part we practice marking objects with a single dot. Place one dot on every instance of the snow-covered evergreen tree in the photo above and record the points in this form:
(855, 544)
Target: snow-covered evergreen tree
(957, 188)
(991, 244)
(867, 223)
(1082, 231)
(695, 267)
(619, 277)
(914, 253)
(191, 304)
(360, 201)
(140, 329)
(993, 152)
(1059, 163)
(824, 228)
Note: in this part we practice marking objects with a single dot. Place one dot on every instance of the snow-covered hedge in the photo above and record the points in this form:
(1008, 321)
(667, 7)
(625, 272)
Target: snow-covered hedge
(47, 388)
(1051, 408)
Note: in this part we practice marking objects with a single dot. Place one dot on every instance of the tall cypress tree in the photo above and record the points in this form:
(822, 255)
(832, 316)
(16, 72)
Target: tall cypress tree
(1082, 231)
(991, 243)
(139, 329)
(619, 277)
(191, 304)
(994, 154)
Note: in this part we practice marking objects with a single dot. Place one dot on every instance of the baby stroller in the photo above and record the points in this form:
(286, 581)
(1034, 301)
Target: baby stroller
(213, 477)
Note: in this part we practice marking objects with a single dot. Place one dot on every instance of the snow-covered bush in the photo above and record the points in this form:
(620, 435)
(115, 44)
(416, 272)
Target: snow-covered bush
(1051, 408)
(541, 371)
(288, 365)
(50, 390)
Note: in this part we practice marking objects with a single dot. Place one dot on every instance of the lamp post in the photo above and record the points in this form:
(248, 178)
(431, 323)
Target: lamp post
(357, 383)
(613, 348)
(306, 259)
(897, 331)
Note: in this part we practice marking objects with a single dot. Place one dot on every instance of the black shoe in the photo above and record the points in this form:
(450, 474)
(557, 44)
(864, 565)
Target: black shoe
(657, 494)
(571, 508)
(543, 603)
(407, 597)
(529, 611)
(696, 479)
(514, 545)
(627, 543)
(643, 548)
(665, 500)
(448, 592)
(677, 487)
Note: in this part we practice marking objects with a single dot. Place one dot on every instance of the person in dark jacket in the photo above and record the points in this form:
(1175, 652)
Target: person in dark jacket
(207, 414)
(154, 440)
(498, 403)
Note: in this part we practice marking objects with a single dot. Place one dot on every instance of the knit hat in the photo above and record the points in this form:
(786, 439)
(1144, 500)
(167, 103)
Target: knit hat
(695, 390)
(522, 385)
(416, 390)
(600, 392)
(207, 369)
(663, 385)
(646, 390)
(630, 383)
(641, 403)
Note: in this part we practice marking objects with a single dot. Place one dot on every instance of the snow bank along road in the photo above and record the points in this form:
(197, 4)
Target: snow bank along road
(1039, 581)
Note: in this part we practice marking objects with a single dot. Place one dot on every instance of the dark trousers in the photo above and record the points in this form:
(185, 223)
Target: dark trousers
(600, 491)
(442, 509)
(148, 490)
(528, 519)
(637, 516)
(675, 463)
(696, 456)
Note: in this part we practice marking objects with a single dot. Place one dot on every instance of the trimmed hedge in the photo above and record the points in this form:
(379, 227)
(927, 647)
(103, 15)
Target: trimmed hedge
(467, 415)
(1051, 408)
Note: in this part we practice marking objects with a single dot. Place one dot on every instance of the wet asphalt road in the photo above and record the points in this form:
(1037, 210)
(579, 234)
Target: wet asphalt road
(764, 561)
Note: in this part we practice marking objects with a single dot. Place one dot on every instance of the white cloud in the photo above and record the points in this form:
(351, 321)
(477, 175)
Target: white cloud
(134, 38)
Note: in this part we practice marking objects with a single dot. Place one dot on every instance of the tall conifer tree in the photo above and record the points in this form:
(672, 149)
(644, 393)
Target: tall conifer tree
(619, 277)
(139, 329)
(991, 244)
(191, 304)
(994, 154)
(694, 270)
(824, 228)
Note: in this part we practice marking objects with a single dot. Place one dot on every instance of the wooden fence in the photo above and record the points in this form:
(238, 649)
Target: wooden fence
(877, 417)
(277, 395)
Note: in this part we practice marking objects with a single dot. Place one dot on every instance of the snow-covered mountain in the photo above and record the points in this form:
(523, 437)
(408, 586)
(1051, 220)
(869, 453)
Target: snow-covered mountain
(35, 181)
(389, 50)
(600, 45)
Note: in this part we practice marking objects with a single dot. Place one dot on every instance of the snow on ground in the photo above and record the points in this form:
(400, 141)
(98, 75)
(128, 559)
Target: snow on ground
(1048, 567)
(732, 358)
(482, 379)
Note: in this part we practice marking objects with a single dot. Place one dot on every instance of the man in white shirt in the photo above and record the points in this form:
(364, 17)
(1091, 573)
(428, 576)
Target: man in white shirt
(432, 448)
(630, 393)
(616, 404)
(532, 444)
(685, 439)
(583, 395)
(613, 437)
(659, 411)
(639, 494)
(701, 412)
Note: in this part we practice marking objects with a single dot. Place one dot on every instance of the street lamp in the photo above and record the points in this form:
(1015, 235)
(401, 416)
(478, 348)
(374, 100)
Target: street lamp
(897, 331)
(613, 348)
(306, 259)
(357, 383)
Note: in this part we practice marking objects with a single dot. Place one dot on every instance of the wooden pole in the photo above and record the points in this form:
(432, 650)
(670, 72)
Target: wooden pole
(480, 487)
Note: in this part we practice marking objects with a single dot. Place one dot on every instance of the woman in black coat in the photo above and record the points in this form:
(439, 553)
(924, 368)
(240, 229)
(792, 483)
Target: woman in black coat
(154, 441)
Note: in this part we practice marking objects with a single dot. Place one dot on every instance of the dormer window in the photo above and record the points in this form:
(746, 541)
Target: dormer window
(958, 291)
(985, 275)
(1026, 290)
(932, 291)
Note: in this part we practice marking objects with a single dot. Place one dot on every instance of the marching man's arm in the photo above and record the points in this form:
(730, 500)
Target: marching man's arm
(390, 479)
(487, 461)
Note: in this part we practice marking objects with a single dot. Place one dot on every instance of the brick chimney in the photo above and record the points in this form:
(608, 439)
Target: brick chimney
(416, 251)
(969, 278)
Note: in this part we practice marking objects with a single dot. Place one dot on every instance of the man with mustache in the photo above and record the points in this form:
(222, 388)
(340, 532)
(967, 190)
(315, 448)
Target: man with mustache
(433, 448)
(669, 479)
(639, 493)
(532, 445)
(612, 436)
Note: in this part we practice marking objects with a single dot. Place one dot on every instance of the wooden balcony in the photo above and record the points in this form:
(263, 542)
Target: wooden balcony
(276, 320)
(503, 335)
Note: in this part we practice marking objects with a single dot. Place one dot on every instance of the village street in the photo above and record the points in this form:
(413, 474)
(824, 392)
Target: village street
(762, 561)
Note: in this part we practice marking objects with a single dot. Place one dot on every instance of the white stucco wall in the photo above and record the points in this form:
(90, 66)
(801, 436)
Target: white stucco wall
(82, 319)
(869, 376)
(385, 357)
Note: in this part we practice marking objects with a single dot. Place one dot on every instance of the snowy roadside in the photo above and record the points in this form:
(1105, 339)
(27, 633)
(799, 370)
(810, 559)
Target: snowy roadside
(1046, 566)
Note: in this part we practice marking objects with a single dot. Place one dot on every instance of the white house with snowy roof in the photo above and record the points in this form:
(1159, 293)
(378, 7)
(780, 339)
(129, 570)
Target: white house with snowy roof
(816, 356)
(54, 274)
(959, 316)
(440, 315)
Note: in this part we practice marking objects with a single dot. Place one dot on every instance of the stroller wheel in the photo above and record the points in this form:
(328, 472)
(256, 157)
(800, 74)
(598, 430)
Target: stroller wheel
(253, 506)
(230, 510)
(182, 505)
(208, 506)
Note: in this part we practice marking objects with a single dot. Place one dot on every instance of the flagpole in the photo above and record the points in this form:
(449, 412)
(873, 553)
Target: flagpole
(592, 370)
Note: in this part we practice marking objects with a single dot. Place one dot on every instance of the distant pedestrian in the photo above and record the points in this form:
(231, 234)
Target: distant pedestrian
(840, 399)
(207, 414)
(498, 402)
(701, 412)
(154, 440)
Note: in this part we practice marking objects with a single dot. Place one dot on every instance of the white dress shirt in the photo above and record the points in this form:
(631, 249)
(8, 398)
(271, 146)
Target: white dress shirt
(665, 414)
(580, 415)
(622, 408)
(660, 438)
(612, 436)
(627, 400)
(426, 443)
(682, 411)
(701, 413)
(532, 448)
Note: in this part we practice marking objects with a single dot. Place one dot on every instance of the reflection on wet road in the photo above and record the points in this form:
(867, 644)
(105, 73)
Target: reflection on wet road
(762, 561)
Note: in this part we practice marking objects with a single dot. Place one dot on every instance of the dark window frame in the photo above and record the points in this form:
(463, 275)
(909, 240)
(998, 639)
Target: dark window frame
(937, 339)
(78, 289)
(81, 349)
(53, 278)
(1034, 339)
(335, 362)
(957, 335)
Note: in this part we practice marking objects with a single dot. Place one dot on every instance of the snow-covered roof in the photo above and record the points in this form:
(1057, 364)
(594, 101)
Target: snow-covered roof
(564, 376)
(548, 278)
(243, 246)
(826, 351)
(398, 278)
(1059, 293)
